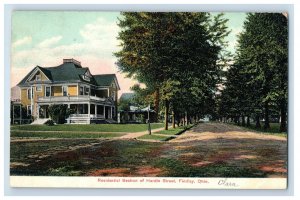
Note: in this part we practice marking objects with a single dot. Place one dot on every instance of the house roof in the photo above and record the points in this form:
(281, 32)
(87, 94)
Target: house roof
(70, 72)
(105, 79)
(127, 96)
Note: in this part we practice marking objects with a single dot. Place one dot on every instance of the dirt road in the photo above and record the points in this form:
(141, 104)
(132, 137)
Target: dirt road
(207, 150)
(209, 143)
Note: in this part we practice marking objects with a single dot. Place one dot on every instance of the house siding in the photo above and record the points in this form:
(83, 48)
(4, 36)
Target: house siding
(25, 101)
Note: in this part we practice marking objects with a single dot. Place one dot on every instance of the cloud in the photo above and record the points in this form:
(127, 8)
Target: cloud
(23, 41)
(95, 51)
(100, 30)
(49, 42)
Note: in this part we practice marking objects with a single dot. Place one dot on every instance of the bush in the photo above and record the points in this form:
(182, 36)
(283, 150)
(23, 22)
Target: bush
(49, 122)
(59, 113)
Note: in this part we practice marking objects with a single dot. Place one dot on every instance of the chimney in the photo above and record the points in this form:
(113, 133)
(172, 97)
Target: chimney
(71, 60)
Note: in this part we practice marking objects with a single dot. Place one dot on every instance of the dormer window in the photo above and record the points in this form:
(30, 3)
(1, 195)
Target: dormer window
(86, 78)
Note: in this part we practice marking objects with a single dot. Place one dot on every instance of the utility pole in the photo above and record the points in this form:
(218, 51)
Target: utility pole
(149, 126)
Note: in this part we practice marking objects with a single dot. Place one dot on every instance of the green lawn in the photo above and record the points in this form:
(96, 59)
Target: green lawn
(154, 137)
(172, 131)
(274, 129)
(41, 134)
(89, 127)
(164, 135)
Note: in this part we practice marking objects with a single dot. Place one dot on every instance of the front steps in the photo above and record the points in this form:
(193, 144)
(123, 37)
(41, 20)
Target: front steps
(40, 121)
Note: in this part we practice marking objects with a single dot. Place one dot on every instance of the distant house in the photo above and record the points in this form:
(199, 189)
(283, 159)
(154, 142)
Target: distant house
(131, 112)
(92, 97)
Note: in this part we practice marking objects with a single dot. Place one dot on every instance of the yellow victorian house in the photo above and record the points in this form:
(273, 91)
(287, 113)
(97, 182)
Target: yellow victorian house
(92, 97)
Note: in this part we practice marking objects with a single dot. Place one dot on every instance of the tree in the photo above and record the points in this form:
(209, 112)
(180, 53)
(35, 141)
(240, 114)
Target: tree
(162, 48)
(261, 67)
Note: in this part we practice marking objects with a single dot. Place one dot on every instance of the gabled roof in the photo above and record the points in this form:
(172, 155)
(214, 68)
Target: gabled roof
(127, 96)
(70, 72)
(106, 79)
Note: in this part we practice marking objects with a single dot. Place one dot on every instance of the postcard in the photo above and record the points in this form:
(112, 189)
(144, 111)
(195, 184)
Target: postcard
(189, 100)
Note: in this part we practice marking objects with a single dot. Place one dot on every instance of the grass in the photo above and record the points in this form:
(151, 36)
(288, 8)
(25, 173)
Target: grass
(42, 134)
(176, 168)
(88, 127)
(173, 131)
(154, 137)
(165, 135)
(93, 155)
(274, 129)
(20, 151)
(65, 162)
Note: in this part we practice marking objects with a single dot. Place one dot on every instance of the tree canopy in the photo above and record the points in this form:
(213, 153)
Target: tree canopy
(175, 55)
(257, 81)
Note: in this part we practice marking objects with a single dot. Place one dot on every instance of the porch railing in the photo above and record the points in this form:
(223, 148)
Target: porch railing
(86, 116)
(70, 98)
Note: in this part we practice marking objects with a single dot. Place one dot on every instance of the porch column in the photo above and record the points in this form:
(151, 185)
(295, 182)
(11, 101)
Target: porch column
(89, 112)
(104, 111)
(111, 116)
(96, 110)
(68, 120)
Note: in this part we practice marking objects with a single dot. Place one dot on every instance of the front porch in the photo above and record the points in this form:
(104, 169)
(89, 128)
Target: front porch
(83, 113)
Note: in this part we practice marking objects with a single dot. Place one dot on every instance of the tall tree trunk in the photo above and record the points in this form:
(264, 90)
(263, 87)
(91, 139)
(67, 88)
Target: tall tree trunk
(243, 120)
(177, 120)
(173, 119)
(283, 109)
(156, 104)
(267, 123)
(187, 119)
(248, 121)
(257, 125)
(166, 114)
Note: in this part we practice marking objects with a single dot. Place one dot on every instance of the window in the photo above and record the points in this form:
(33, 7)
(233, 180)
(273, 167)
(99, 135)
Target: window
(114, 95)
(65, 90)
(81, 90)
(47, 91)
(86, 78)
(29, 93)
(38, 77)
(38, 88)
(87, 91)
(28, 109)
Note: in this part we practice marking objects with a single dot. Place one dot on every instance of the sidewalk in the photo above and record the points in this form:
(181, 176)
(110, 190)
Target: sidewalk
(139, 134)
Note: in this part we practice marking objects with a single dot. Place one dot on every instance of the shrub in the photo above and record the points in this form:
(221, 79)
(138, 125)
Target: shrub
(49, 122)
(59, 113)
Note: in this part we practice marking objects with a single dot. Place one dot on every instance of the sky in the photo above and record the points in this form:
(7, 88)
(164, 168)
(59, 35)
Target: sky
(45, 38)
